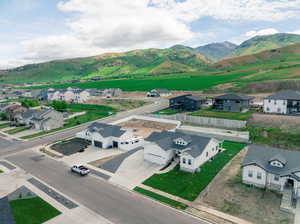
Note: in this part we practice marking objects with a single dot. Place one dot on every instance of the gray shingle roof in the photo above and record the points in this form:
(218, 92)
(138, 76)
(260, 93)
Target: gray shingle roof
(285, 95)
(232, 96)
(165, 140)
(261, 156)
(195, 98)
(106, 130)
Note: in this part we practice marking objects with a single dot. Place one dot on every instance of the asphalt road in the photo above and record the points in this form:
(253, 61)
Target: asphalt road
(20, 146)
(115, 204)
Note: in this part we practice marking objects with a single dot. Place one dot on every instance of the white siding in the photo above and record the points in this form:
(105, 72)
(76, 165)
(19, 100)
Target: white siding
(254, 180)
(275, 106)
(210, 151)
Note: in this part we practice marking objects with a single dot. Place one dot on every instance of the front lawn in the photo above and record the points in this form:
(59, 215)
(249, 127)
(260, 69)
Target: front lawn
(161, 198)
(5, 125)
(223, 115)
(17, 130)
(32, 211)
(93, 112)
(188, 185)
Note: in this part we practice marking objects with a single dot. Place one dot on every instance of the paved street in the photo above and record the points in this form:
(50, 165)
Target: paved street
(14, 147)
(115, 204)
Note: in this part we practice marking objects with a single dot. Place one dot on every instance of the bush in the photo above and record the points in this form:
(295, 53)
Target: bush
(3, 117)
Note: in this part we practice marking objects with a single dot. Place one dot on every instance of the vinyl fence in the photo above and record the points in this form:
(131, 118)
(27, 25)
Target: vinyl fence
(205, 121)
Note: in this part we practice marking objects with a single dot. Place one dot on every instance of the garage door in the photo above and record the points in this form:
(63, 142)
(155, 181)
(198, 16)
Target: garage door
(155, 159)
(98, 144)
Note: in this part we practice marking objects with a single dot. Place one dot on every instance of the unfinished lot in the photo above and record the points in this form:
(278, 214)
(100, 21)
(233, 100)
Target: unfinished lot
(145, 128)
(227, 194)
(285, 123)
(119, 104)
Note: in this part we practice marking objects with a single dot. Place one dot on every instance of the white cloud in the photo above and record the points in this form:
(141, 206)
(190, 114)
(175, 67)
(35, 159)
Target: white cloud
(99, 26)
(296, 32)
(263, 32)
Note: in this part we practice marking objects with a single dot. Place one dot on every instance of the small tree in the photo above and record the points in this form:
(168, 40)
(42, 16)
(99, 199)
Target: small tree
(59, 105)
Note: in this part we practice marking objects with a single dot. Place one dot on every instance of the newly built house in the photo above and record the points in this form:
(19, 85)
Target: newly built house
(187, 102)
(233, 103)
(108, 136)
(41, 119)
(272, 168)
(159, 93)
(283, 102)
(192, 151)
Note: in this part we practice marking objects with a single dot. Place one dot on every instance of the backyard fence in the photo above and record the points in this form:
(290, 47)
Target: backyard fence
(205, 121)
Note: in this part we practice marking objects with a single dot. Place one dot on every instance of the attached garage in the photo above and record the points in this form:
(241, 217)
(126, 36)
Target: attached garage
(155, 159)
(98, 144)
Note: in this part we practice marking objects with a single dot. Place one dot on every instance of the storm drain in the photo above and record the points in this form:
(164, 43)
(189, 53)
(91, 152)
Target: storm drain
(53, 194)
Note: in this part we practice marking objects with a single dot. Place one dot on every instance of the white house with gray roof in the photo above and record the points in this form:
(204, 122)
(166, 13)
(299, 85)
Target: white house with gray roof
(192, 151)
(272, 168)
(111, 136)
(283, 102)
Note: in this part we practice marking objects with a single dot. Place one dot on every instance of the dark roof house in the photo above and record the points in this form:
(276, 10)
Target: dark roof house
(233, 102)
(187, 102)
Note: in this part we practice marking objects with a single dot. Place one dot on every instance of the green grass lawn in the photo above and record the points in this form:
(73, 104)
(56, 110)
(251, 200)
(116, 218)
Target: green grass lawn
(223, 115)
(161, 198)
(1, 171)
(17, 130)
(32, 211)
(167, 112)
(189, 185)
(93, 112)
(5, 125)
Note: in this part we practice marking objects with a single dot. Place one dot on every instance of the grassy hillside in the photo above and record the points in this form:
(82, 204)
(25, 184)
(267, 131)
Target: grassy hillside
(217, 51)
(150, 61)
(261, 43)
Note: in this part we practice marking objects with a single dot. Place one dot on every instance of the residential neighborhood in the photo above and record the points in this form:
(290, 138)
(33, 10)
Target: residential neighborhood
(150, 112)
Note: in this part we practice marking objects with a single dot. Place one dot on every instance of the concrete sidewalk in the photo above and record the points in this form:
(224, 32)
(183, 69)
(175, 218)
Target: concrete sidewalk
(200, 208)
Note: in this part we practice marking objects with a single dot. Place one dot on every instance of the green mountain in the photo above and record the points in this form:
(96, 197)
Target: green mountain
(261, 43)
(217, 51)
(176, 59)
(288, 56)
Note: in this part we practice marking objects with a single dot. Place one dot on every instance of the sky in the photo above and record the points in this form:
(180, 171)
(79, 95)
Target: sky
(33, 31)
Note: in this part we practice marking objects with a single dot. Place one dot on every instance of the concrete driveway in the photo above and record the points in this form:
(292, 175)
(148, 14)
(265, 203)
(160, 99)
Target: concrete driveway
(134, 170)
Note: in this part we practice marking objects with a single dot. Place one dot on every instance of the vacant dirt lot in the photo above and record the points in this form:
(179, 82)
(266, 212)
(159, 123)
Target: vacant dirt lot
(145, 128)
(229, 195)
(119, 104)
(285, 123)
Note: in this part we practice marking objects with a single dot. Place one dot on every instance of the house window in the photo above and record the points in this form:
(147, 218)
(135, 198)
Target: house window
(259, 175)
(269, 101)
(275, 102)
(268, 109)
(250, 173)
(190, 162)
(276, 178)
(206, 154)
(183, 160)
(284, 102)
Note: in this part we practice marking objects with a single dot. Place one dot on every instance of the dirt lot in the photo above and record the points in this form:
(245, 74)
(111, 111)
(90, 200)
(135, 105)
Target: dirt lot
(119, 104)
(227, 194)
(145, 128)
(285, 123)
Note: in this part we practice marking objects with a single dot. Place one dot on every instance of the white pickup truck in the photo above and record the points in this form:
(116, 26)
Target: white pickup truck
(80, 169)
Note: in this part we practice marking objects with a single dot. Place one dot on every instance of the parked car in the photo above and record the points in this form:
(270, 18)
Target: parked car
(80, 169)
